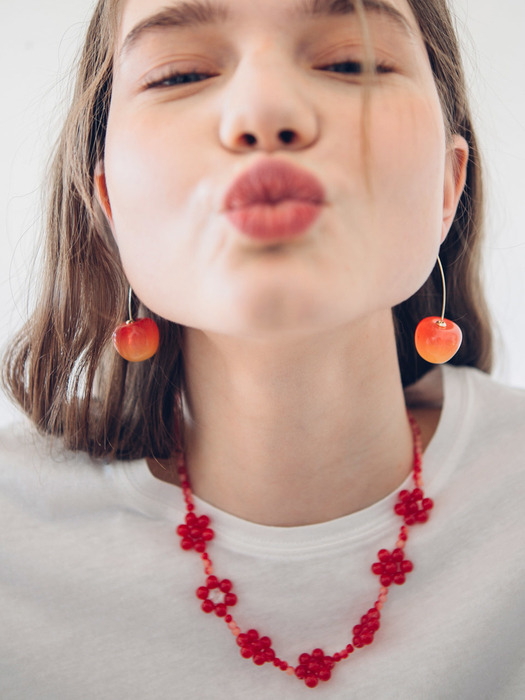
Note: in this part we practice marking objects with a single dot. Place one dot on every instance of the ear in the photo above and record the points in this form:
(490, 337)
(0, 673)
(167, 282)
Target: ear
(455, 178)
(101, 191)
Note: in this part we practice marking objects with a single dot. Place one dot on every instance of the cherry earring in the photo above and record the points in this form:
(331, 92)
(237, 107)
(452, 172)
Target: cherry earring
(438, 339)
(136, 340)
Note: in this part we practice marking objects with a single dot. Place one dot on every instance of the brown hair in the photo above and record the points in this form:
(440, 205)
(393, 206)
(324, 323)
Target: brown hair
(61, 367)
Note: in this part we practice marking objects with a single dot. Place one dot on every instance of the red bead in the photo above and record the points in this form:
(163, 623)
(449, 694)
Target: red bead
(406, 566)
(230, 599)
(311, 681)
(324, 675)
(399, 579)
(259, 659)
(377, 568)
(202, 592)
(383, 555)
(186, 544)
(212, 582)
(246, 653)
(225, 585)
(208, 606)
(300, 672)
(253, 635)
(265, 642)
(220, 610)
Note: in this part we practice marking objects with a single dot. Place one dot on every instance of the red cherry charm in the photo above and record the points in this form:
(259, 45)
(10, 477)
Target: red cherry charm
(437, 340)
(136, 340)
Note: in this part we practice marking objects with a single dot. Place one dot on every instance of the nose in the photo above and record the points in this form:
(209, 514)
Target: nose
(267, 107)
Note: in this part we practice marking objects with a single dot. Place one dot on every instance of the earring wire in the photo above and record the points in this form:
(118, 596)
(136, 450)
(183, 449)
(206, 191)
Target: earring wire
(441, 322)
(130, 320)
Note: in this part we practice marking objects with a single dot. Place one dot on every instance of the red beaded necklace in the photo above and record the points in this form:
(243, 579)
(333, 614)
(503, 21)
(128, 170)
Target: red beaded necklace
(217, 594)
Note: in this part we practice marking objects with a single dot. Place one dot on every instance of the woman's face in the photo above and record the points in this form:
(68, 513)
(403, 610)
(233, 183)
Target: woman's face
(249, 73)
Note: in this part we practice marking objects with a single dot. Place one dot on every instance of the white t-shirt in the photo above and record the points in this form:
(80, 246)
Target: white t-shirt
(97, 600)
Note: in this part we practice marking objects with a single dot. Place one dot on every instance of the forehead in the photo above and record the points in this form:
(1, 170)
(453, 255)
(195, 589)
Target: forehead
(138, 17)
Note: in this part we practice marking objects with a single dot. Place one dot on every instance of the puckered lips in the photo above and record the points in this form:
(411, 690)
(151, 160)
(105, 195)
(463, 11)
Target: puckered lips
(273, 201)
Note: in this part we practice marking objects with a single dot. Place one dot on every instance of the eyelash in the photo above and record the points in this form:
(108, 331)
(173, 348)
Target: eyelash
(380, 68)
(166, 82)
(181, 77)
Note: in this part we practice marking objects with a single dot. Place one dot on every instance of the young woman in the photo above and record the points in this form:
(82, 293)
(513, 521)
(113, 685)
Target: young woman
(283, 495)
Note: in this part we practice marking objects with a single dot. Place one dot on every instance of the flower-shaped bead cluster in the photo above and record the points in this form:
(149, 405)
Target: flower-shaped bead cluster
(211, 594)
(259, 649)
(413, 507)
(195, 533)
(365, 631)
(314, 667)
(392, 567)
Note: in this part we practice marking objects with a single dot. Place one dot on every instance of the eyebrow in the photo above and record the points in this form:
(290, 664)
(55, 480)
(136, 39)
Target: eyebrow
(200, 13)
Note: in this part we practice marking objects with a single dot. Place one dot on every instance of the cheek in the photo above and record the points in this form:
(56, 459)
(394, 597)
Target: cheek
(407, 149)
(390, 194)
(158, 197)
(147, 165)
(407, 162)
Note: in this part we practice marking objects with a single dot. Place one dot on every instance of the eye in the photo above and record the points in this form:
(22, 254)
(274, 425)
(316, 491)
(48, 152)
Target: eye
(174, 78)
(357, 68)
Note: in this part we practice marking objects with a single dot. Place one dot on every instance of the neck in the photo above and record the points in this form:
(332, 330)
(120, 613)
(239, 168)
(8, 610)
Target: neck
(296, 432)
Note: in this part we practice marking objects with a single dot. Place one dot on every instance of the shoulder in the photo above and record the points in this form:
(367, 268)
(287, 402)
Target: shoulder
(480, 442)
(38, 474)
(477, 453)
(488, 407)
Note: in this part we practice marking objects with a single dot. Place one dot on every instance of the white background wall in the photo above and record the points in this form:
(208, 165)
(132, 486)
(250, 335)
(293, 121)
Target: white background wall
(38, 40)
